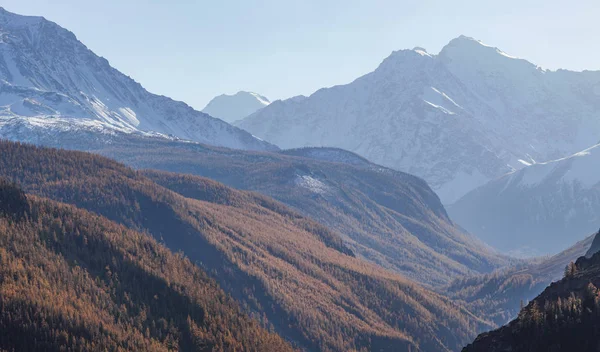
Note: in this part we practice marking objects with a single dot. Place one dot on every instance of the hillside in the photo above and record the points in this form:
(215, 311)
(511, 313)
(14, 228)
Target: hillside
(458, 119)
(71, 280)
(565, 317)
(528, 212)
(499, 295)
(289, 271)
(51, 81)
(385, 216)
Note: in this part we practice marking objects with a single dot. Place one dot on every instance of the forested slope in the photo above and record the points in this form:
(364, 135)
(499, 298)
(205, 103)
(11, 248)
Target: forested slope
(289, 271)
(72, 280)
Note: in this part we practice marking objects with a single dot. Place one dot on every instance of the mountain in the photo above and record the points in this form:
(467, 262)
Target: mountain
(72, 280)
(565, 317)
(385, 216)
(595, 247)
(231, 108)
(388, 217)
(530, 211)
(50, 80)
(457, 119)
(289, 272)
(498, 296)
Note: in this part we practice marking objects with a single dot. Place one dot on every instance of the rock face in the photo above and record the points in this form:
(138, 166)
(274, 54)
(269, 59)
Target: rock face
(458, 119)
(231, 108)
(52, 81)
(539, 209)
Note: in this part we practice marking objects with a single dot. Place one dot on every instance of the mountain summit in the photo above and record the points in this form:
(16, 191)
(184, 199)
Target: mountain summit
(51, 81)
(458, 119)
(231, 108)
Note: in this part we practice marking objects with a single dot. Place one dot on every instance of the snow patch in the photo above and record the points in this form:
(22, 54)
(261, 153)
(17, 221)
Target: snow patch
(130, 115)
(441, 108)
(421, 51)
(526, 163)
(312, 184)
(440, 100)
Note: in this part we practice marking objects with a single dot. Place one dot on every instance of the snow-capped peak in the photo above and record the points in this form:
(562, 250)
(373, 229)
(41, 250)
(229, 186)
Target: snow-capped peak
(421, 51)
(231, 108)
(458, 119)
(466, 54)
(263, 100)
(471, 46)
(46, 72)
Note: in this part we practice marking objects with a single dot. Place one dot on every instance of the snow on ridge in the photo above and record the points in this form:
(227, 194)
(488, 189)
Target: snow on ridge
(421, 51)
(582, 168)
(262, 99)
(45, 70)
(466, 39)
(65, 124)
(396, 116)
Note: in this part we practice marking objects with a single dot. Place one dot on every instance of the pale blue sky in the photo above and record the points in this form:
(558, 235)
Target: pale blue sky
(194, 50)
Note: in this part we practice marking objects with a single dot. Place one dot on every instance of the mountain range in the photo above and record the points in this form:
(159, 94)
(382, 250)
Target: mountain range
(528, 212)
(458, 119)
(385, 216)
(50, 80)
(162, 228)
(287, 271)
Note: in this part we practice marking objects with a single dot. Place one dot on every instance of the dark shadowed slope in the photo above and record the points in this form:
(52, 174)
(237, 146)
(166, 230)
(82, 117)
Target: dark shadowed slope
(71, 280)
(565, 317)
(498, 296)
(595, 246)
(290, 271)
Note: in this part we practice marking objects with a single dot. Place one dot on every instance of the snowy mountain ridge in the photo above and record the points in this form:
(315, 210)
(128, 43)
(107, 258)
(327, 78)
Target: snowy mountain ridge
(541, 206)
(458, 119)
(46, 73)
